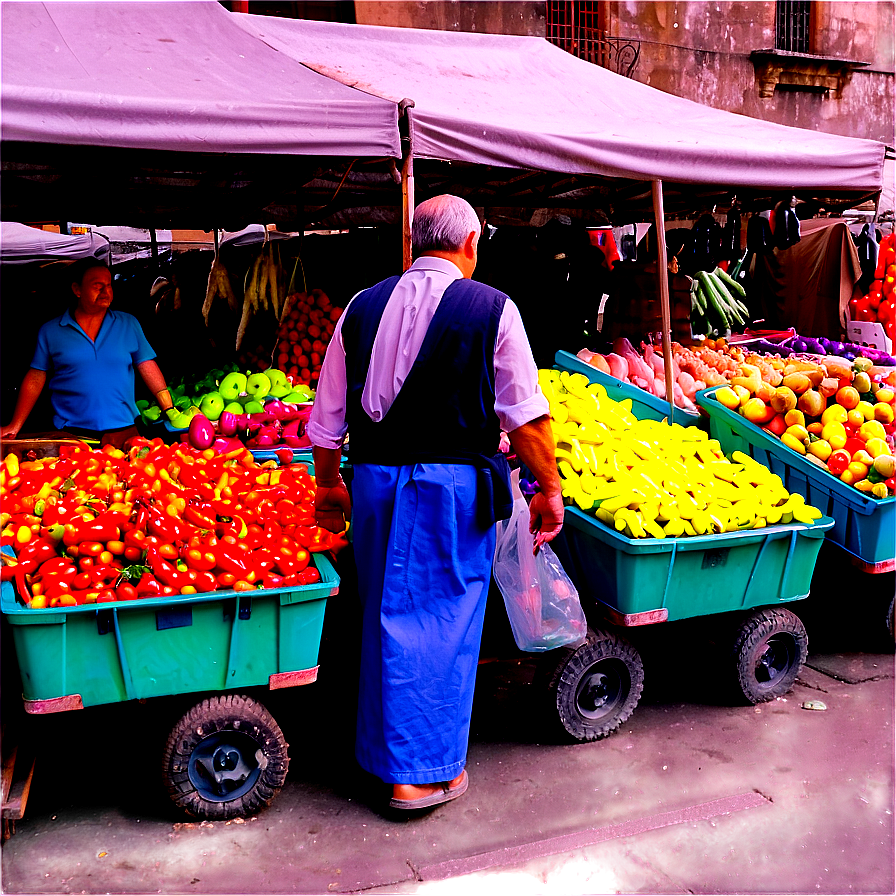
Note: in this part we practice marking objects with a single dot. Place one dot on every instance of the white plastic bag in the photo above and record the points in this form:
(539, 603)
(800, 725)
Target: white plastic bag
(542, 603)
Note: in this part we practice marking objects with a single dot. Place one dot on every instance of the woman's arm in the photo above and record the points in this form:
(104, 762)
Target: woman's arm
(29, 392)
(155, 381)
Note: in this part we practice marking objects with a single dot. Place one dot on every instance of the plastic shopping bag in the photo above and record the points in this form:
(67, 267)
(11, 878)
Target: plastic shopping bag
(542, 603)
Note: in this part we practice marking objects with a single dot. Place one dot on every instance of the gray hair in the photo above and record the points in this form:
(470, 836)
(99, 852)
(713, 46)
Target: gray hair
(443, 223)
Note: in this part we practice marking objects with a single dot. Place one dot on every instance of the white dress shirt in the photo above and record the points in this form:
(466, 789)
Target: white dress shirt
(405, 320)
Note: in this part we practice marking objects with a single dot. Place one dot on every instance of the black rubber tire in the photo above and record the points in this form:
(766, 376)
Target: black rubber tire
(769, 650)
(225, 758)
(594, 688)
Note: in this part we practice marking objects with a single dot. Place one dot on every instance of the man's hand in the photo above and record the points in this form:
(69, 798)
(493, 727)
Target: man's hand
(332, 507)
(545, 517)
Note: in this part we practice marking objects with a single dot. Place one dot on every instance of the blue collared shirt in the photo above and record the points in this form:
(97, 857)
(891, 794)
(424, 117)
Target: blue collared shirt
(92, 383)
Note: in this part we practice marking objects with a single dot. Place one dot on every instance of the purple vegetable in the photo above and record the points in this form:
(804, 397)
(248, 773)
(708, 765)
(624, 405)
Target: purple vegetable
(762, 346)
(814, 346)
(281, 411)
(201, 433)
(293, 434)
(266, 436)
(228, 424)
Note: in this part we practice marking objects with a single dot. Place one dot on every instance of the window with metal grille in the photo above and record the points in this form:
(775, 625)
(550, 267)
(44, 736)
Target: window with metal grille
(579, 27)
(793, 25)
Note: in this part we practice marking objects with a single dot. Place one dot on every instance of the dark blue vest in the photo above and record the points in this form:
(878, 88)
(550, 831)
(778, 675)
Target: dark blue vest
(445, 409)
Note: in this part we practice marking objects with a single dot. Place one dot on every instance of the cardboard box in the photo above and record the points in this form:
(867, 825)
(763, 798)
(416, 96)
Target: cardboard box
(870, 334)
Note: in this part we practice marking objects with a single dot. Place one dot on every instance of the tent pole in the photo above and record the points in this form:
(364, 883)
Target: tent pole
(662, 279)
(406, 125)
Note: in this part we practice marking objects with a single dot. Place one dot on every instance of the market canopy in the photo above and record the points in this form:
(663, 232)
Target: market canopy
(21, 244)
(173, 76)
(521, 102)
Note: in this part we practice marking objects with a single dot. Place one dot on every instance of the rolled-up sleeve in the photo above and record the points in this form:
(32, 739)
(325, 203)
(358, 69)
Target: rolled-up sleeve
(518, 397)
(327, 427)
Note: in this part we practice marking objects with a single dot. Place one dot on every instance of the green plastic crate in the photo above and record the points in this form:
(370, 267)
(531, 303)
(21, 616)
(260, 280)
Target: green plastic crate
(654, 579)
(161, 646)
(863, 526)
(645, 406)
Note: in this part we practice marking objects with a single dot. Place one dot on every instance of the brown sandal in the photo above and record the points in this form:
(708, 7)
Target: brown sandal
(444, 795)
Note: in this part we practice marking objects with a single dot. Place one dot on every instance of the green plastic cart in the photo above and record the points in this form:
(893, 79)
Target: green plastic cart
(226, 756)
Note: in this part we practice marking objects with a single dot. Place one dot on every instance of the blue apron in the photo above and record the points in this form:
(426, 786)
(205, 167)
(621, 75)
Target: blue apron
(424, 535)
(424, 564)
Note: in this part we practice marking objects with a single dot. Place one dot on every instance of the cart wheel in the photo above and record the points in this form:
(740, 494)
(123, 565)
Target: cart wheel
(225, 758)
(769, 651)
(596, 687)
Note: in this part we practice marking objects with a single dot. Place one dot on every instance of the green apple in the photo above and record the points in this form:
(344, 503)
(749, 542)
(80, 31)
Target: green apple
(232, 385)
(234, 407)
(258, 385)
(212, 405)
(253, 407)
(276, 376)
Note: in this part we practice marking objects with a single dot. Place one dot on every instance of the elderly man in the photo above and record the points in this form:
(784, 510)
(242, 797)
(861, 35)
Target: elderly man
(424, 371)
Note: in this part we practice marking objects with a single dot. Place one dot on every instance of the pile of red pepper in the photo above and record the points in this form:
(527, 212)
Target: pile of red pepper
(94, 526)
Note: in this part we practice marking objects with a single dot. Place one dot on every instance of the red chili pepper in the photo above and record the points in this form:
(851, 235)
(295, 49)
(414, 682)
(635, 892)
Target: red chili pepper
(205, 581)
(135, 538)
(230, 560)
(167, 527)
(201, 516)
(56, 565)
(272, 580)
(164, 571)
(149, 586)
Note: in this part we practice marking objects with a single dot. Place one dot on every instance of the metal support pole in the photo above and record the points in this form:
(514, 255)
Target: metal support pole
(662, 280)
(154, 247)
(406, 124)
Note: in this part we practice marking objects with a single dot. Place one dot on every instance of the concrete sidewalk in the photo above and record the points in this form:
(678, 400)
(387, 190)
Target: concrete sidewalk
(692, 795)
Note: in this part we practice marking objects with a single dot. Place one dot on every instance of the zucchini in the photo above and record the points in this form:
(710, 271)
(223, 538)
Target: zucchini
(733, 311)
(713, 299)
(731, 283)
(698, 301)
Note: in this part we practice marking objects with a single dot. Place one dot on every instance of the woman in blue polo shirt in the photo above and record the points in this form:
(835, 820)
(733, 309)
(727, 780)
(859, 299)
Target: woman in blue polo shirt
(89, 355)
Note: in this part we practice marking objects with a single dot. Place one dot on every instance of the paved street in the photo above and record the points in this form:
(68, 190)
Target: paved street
(692, 795)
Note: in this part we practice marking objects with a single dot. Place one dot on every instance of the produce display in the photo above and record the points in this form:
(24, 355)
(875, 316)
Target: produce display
(646, 370)
(260, 409)
(807, 345)
(879, 305)
(835, 415)
(305, 330)
(650, 479)
(717, 303)
(98, 526)
(714, 362)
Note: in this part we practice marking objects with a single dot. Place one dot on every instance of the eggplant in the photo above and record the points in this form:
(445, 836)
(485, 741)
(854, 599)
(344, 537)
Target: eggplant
(228, 423)
(201, 433)
(762, 346)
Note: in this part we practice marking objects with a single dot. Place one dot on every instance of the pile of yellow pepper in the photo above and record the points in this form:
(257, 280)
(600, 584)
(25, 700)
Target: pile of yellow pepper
(650, 479)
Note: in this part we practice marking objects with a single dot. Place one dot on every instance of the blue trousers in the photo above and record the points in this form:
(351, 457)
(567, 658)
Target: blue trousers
(424, 565)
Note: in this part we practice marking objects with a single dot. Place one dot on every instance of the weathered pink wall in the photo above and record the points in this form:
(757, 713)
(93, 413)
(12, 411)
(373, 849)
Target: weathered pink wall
(701, 50)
